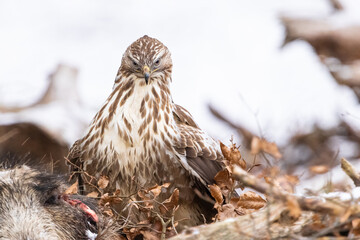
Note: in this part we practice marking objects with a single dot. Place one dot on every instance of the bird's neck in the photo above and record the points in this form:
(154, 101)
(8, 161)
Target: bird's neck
(134, 111)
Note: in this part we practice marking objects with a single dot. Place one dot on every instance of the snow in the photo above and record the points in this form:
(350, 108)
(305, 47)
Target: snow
(65, 123)
(344, 196)
(226, 53)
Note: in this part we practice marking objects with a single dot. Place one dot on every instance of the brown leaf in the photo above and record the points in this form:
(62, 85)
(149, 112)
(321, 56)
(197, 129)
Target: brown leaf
(103, 182)
(228, 211)
(232, 154)
(293, 207)
(93, 194)
(251, 200)
(293, 180)
(216, 194)
(287, 182)
(223, 179)
(108, 213)
(240, 211)
(261, 145)
(235, 155)
(319, 169)
(316, 224)
(225, 150)
(171, 203)
(165, 185)
(356, 226)
(109, 199)
(146, 198)
(268, 180)
(234, 201)
(242, 164)
(156, 190)
(72, 189)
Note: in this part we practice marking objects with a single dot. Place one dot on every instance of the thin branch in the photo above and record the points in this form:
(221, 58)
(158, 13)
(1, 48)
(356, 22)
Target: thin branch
(349, 169)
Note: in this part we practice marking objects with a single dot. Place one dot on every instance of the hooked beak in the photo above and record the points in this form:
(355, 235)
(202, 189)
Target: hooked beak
(146, 71)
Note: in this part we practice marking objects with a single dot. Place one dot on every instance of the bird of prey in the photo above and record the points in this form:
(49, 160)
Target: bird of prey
(140, 137)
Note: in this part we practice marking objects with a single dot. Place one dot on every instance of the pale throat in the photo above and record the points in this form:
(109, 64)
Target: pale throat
(143, 118)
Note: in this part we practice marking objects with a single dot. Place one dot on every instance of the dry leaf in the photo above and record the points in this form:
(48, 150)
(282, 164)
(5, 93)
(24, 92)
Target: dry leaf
(228, 211)
(293, 207)
(356, 226)
(319, 169)
(109, 199)
(287, 182)
(251, 200)
(165, 185)
(156, 190)
(223, 179)
(93, 194)
(234, 201)
(72, 189)
(235, 155)
(108, 211)
(261, 145)
(216, 194)
(103, 182)
(171, 203)
(232, 154)
(242, 164)
(225, 150)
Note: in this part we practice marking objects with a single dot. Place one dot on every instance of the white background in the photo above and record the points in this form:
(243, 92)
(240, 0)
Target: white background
(223, 52)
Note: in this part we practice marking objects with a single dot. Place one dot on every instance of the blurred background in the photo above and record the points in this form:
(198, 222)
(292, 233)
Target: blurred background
(283, 72)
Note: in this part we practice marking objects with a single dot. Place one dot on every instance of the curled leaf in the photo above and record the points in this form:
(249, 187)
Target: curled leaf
(232, 154)
(225, 150)
(223, 179)
(216, 194)
(171, 203)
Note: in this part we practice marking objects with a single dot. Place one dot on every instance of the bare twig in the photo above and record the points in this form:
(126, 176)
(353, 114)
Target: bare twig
(350, 171)
(164, 226)
(306, 203)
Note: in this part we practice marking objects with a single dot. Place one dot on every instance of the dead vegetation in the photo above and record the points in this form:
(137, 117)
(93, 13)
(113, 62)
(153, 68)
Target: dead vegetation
(255, 196)
(252, 202)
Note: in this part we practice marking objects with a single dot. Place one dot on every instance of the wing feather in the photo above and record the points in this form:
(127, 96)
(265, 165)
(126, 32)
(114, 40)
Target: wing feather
(202, 153)
(183, 116)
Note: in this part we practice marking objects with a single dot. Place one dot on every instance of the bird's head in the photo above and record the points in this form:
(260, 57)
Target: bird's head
(147, 59)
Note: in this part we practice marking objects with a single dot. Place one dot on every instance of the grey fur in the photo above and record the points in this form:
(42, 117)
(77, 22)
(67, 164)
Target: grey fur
(31, 209)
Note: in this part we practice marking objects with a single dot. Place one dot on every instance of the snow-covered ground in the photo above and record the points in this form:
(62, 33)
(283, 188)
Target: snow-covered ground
(225, 52)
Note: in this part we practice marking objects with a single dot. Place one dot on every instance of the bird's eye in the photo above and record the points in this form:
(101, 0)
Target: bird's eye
(157, 62)
(135, 63)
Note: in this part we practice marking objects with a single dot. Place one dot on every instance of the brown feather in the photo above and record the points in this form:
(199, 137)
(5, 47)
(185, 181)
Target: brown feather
(183, 116)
